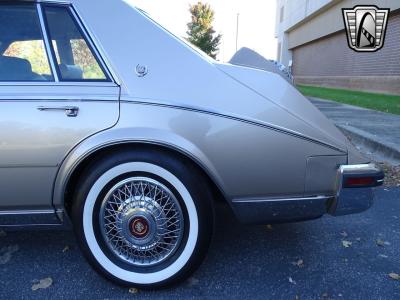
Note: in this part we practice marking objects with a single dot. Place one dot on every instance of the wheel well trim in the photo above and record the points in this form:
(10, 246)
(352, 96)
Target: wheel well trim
(69, 165)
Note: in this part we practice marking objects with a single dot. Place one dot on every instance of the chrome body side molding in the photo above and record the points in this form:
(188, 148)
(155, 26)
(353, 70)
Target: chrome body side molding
(31, 218)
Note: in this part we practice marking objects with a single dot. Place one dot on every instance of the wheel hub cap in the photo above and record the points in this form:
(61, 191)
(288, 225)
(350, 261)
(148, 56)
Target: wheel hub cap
(141, 221)
(139, 227)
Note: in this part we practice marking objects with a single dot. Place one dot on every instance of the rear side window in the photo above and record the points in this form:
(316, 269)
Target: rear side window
(23, 54)
(76, 60)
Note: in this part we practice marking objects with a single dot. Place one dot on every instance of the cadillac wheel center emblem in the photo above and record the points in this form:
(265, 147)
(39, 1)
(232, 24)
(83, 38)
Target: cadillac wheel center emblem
(139, 227)
(141, 70)
(366, 27)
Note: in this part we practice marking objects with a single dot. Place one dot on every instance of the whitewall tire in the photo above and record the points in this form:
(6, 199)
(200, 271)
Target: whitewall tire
(142, 218)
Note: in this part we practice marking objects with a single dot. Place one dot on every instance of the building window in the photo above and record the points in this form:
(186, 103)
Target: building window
(279, 52)
(282, 14)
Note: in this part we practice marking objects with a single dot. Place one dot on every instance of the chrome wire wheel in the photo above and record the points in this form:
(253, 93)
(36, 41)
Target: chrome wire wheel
(141, 221)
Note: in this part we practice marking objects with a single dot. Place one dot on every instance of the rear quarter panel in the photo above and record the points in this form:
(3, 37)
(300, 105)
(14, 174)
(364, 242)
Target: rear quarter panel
(243, 159)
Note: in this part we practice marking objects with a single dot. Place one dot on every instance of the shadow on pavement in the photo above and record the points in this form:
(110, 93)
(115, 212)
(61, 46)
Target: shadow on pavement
(306, 259)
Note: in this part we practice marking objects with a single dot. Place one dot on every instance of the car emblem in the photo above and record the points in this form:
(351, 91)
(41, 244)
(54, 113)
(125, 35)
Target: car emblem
(141, 70)
(366, 27)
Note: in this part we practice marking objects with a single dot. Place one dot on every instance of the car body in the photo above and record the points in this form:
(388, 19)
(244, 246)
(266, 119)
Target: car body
(141, 101)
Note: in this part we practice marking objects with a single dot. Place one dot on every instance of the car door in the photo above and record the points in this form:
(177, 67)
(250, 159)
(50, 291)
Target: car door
(55, 91)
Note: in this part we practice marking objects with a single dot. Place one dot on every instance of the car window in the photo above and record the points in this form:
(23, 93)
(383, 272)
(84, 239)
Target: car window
(23, 54)
(75, 59)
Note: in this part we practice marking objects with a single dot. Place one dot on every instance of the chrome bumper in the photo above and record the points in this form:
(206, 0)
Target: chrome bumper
(353, 194)
(354, 185)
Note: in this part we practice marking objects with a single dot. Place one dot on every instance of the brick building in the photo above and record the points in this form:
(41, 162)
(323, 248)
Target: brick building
(312, 39)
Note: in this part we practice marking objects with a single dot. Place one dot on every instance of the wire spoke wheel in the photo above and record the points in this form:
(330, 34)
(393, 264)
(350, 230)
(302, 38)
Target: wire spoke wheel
(141, 221)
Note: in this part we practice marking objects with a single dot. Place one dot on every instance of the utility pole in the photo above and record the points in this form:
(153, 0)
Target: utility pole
(237, 31)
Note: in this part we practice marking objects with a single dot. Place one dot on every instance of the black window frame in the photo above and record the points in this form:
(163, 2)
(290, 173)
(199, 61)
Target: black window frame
(86, 37)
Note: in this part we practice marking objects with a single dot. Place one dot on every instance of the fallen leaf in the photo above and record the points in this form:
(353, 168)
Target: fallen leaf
(346, 244)
(269, 227)
(379, 242)
(382, 243)
(325, 296)
(3, 233)
(43, 284)
(66, 248)
(6, 253)
(192, 281)
(344, 234)
(291, 280)
(394, 276)
(133, 291)
(299, 263)
(383, 256)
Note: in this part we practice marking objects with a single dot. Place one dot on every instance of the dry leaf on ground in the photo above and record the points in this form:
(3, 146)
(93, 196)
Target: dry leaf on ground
(394, 276)
(193, 281)
(392, 174)
(382, 243)
(42, 284)
(6, 253)
(66, 248)
(269, 227)
(344, 234)
(291, 280)
(299, 263)
(133, 291)
(346, 244)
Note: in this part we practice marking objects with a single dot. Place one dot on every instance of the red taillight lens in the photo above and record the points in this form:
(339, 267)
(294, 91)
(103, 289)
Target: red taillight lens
(359, 182)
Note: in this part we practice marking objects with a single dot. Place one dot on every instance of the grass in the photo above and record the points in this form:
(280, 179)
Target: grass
(381, 102)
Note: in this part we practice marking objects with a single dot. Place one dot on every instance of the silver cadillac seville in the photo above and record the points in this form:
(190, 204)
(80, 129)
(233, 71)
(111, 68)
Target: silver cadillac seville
(112, 124)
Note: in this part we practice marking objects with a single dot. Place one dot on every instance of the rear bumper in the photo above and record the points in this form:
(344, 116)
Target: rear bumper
(354, 193)
(354, 185)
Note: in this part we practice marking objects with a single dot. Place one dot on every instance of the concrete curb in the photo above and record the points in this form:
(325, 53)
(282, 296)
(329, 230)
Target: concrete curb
(371, 142)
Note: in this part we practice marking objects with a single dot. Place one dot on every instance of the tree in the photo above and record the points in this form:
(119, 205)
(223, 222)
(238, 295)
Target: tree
(200, 30)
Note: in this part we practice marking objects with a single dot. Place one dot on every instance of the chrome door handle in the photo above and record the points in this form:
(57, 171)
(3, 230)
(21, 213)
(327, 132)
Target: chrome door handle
(70, 111)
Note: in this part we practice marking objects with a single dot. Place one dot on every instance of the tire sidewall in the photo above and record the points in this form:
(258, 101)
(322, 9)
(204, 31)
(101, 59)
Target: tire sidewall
(192, 189)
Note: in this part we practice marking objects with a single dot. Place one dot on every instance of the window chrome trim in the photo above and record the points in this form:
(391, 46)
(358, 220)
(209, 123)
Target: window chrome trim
(59, 83)
(47, 42)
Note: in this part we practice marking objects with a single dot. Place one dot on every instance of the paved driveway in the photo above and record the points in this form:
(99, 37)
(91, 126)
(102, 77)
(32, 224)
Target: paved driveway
(379, 131)
(248, 262)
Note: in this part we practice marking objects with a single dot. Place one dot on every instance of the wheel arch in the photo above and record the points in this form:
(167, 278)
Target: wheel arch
(70, 170)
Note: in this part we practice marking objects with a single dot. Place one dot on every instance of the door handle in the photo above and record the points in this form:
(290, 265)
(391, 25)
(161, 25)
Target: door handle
(70, 111)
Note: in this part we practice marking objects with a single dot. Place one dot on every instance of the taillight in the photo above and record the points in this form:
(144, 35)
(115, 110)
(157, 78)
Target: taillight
(359, 182)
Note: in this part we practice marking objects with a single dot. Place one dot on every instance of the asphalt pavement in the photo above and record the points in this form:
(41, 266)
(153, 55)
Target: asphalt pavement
(307, 260)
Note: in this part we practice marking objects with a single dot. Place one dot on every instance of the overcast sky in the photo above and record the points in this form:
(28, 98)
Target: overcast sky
(256, 22)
